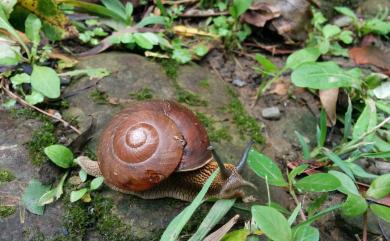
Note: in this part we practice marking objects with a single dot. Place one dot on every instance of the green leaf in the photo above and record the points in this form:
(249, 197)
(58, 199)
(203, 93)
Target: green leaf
(237, 235)
(77, 195)
(381, 211)
(31, 195)
(83, 175)
(60, 155)
(117, 7)
(151, 20)
(96, 182)
(366, 121)
(346, 36)
(174, 228)
(46, 81)
(348, 120)
(272, 223)
(47, 197)
(8, 104)
(304, 145)
(302, 56)
(296, 171)
(319, 215)
(359, 171)
(380, 144)
(9, 55)
(201, 50)
(325, 75)
(19, 79)
(34, 98)
(320, 182)
(347, 184)
(8, 6)
(340, 163)
(216, 213)
(32, 27)
(267, 65)
(376, 26)
(330, 30)
(294, 214)
(92, 73)
(239, 7)
(182, 55)
(383, 155)
(306, 233)
(322, 131)
(129, 10)
(347, 12)
(264, 167)
(142, 41)
(355, 205)
(380, 187)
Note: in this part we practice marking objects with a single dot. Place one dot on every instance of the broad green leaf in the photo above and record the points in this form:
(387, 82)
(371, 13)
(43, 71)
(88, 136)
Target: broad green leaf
(34, 98)
(174, 228)
(340, 163)
(47, 197)
(355, 205)
(142, 41)
(264, 167)
(151, 37)
(237, 235)
(381, 211)
(117, 7)
(46, 81)
(83, 175)
(181, 55)
(347, 12)
(294, 214)
(32, 27)
(92, 73)
(380, 187)
(31, 195)
(302, 56)
(239, 7)
(60, 155)
(296, 171)
(9, 55)
(267, 65)
(96, 182)
(306, 233)
(380, 144)
(8, 6)
(346, 36)
(366, 121)
(347, 184)
(201, 50)
(77, 195)
(376, 26)
(359, 171)
(325, 75)
(19, 79)
(216, 213)
(330, 30)
(272, 223)
(304, 146)
(151, 20)
(320, 182)
(129, 8)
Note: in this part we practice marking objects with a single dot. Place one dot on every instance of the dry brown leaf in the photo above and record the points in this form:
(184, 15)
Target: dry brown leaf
(280, 89)
(379, 57)
(259, 13)
(329, 100)
(219, 233)
(190, 32)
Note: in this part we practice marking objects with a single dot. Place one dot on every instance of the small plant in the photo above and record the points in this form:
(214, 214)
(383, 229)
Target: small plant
(92, 31)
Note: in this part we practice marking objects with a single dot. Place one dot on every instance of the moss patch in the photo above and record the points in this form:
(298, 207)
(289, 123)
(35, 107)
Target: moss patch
(142, 94)
(246, 124)
(40, 138)
(170, 66)
(204, 83)
(6, 176)
(215, 134)
(6, 211)
(99, 97)
(185, 96)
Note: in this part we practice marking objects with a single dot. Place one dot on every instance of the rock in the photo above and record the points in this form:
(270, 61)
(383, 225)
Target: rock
(238, 82)
(271, 113)
(382, 166)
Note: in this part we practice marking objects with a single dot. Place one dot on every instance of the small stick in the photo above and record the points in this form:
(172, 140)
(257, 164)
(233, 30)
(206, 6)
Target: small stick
(203, 15)
(365, 223)
(23, 102)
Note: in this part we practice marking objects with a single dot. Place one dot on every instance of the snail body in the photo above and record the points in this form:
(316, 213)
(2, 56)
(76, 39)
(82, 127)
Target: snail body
(158, 149)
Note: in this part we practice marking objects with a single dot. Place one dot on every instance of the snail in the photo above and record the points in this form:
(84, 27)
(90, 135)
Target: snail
(159, 148)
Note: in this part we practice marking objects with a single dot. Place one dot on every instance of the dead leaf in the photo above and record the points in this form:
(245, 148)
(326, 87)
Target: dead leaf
(280, 89)
(190, 32)
(219, 233)
(329, 101)
(259, 13)
(379, 57)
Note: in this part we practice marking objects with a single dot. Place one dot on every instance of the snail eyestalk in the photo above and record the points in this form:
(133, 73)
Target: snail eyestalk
(241, 164)
(224, 171)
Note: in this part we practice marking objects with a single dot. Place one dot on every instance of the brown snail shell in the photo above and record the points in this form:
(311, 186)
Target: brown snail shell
(143, 144)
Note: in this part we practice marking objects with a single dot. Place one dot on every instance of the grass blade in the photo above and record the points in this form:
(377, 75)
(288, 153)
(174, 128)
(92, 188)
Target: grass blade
(304, 145)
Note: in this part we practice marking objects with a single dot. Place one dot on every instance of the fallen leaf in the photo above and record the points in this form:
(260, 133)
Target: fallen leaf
(259, 13)
(219, 233)
(379, 57)
(190, 32)
(328, 99)
(280, 89)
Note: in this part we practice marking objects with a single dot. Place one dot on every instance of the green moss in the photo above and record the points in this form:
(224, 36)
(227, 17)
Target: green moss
(41, 138)
(6, 211)
(6, 176)
(99, 97)
(76, 220)
(142, 94)
(246, 124)
(90, 153)
(204, 83)
(215, 134)
(170, 66)
(185, 96)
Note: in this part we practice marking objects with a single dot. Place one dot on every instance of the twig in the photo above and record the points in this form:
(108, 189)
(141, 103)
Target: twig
(179, 2)
(23, 102)
(365, 220)
(203, 15)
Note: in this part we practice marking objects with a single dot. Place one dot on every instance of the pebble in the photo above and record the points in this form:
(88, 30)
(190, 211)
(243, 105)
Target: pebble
(383, 166)
(271, 113)
(239, 83)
